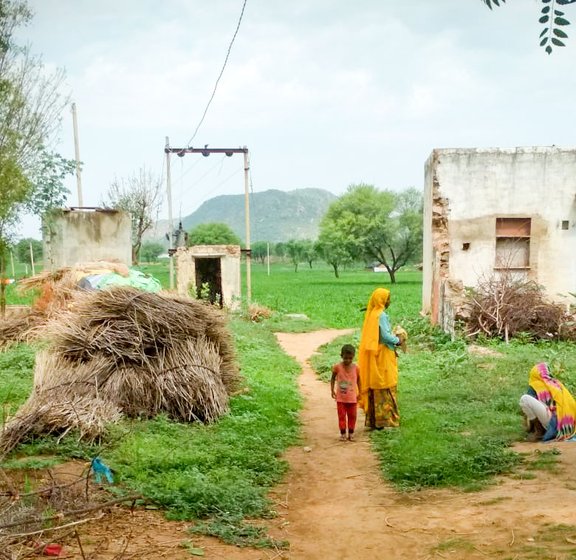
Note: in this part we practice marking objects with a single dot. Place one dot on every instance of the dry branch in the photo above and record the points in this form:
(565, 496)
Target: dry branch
(503, 306)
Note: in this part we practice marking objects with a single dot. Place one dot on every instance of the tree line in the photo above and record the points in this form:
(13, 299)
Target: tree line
(363, 225)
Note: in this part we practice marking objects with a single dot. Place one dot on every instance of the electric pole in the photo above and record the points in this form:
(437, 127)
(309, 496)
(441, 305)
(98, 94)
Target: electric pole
(77, 155)
(167, 150)
(247, 224)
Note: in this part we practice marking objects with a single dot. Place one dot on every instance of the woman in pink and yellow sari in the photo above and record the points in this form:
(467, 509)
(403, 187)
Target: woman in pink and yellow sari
(549, 407)
(378, 364)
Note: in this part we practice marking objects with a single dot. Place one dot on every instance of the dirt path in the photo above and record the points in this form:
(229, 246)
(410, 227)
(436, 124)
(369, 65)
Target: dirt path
(334, 504)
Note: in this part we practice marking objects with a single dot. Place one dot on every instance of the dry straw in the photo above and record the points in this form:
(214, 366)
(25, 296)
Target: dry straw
(127, 352)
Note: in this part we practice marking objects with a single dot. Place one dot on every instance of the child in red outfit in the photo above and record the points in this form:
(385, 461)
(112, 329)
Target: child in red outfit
(344, 386)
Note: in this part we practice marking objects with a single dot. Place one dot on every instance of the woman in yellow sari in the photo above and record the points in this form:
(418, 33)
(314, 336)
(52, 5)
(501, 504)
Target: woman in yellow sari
(378, 364)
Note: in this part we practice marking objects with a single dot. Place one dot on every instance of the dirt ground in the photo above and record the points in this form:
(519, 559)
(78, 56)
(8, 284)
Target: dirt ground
(334, 504)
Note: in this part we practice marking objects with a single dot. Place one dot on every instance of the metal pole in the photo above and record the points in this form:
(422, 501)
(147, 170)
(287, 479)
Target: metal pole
(77, 155)
(170, 223)
(247, 214)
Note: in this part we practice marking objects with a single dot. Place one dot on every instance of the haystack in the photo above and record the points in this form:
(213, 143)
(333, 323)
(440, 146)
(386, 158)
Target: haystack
(132, 353)
(56, 289)
(21, 328)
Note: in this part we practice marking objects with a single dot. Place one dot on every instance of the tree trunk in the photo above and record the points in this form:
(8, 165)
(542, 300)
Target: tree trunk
(336, 273)
(2, 286)
(392, 274)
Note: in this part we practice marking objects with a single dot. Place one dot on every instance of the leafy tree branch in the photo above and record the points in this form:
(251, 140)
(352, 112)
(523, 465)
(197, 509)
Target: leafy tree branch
(553, 20)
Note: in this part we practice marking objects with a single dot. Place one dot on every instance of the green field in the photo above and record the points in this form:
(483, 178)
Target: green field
(459, 410)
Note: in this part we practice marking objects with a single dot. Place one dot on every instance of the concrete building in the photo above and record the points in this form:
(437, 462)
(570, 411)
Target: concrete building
(81, 235)
(490, 211)
(211, 272)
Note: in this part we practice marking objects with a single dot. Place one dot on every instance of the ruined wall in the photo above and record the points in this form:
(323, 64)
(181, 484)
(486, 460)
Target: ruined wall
(229, 256)
(86, 235)
(466, 190)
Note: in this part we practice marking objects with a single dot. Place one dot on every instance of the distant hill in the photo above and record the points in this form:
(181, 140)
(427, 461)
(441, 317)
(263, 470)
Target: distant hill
(274, 215)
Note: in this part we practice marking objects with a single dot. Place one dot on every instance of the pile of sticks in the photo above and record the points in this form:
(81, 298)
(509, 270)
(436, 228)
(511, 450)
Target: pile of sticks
(504, 307)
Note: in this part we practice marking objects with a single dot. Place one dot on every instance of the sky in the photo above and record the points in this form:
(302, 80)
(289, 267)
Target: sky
(323, 93)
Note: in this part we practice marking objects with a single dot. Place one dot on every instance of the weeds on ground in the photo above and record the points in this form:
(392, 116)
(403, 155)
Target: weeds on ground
(234, 530)
(454, 545)
(546, 460)
(550, 542)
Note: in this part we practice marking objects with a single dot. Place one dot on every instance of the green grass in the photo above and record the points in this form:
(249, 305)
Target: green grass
(16, 375)
(329, 301)
(158, 270)
(459, 412)
(235, 531)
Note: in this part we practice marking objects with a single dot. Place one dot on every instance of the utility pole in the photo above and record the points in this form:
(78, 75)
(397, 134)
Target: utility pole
(228, 152)
(77, 156)
(167, 150)
(247, 224)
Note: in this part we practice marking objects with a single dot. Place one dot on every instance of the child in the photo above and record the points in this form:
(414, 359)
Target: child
(344, 388)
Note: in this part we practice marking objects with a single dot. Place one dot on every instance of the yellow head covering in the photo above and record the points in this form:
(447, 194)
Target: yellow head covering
(370, 332)
(556, 397)
(377, 363)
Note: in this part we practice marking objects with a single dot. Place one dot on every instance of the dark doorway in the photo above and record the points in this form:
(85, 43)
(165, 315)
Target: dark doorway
(209, 280)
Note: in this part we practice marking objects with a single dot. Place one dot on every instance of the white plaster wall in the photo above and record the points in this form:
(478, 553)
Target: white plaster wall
(77, 236)
(427, 254)
(231, 279)
(482, 184)
(229, 256)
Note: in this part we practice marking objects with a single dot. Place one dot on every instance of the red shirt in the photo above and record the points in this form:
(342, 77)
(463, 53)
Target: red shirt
(346, 382)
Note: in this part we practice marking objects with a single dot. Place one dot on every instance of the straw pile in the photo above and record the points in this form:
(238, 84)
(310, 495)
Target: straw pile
(21, 328)
(127, 352)
(56, 290)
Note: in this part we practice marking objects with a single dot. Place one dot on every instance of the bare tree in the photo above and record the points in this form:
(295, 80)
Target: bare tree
(139, 195)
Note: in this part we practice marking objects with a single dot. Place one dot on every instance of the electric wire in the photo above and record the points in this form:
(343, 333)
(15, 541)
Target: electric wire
(182, 173)
(200, 180)
(220, 75)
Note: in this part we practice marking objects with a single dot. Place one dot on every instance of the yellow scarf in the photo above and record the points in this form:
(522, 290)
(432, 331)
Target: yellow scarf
(556, 397)
(377, 363)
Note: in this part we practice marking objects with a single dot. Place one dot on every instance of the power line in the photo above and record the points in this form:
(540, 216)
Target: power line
(220, 75)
